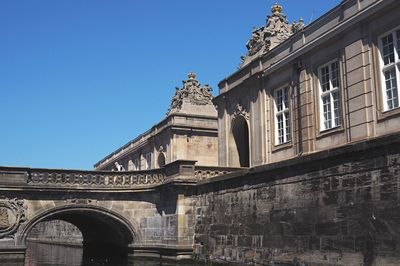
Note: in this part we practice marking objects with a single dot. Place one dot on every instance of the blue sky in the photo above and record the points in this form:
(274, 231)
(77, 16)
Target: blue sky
(78, 79)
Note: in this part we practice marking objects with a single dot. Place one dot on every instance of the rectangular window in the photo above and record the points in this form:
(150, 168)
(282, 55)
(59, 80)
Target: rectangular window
(137, 164)
(148, 161)
(390, 61)
(282, 116)
(330, 105)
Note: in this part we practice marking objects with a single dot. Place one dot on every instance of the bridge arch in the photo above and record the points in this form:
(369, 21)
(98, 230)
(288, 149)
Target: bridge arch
(100, 227)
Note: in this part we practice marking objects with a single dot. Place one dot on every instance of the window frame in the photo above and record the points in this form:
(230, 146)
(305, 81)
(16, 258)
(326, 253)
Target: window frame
(286, 110)
(335, 119)
(148, 160)
(136, 163)
(395, 33)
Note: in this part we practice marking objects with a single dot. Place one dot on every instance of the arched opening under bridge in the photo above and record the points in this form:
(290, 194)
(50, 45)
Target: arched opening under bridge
(106, 235)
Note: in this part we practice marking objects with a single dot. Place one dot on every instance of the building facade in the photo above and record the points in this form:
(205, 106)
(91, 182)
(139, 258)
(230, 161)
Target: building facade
(302, 90)
(189, 132)
(312, 117)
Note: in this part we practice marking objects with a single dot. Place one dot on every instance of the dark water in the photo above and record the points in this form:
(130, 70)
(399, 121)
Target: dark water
(57, 255)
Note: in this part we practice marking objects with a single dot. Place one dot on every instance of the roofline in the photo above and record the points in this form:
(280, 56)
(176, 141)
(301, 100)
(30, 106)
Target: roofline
(285, 41)
(97, 164)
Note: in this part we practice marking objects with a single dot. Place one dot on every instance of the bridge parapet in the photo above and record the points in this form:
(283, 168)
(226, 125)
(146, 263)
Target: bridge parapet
(205, 172)
(92, 178)
(180, 171)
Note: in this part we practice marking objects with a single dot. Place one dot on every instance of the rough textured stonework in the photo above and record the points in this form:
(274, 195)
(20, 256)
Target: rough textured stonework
(337, 210)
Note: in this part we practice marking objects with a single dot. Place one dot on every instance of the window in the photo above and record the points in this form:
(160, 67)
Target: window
(329, 88)
(137, 164)
(390, 62)
(148, 161)
(130, 165)
(282, 116)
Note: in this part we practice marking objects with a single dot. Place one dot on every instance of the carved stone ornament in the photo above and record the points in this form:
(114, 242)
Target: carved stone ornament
(276, 30)
(241, 111)
(193, 92)
(79, 201)
(12, 214)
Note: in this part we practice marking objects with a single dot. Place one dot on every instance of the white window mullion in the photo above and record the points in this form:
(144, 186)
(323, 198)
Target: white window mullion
(397, 63)
(331, 100)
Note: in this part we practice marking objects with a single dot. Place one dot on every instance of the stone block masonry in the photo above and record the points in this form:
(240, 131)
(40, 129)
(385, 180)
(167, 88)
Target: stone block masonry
(337, 207)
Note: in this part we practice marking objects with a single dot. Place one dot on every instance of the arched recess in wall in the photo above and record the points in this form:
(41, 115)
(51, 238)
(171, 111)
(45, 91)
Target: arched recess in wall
(161, 160)
(239, 143)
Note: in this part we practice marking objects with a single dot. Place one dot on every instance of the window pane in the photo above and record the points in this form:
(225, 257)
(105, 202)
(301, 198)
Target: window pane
(279, 100)
(391, 89)
(327, 117)
(335, 74)
(387, 49)
(286, 97)
(336, 108)
(324, 78)
(280, 128)
(398, 44)
(287, 129)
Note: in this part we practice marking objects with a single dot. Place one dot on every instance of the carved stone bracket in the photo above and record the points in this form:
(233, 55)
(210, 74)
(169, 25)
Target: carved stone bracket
(191, 91)
(241, 111)
(12, 215)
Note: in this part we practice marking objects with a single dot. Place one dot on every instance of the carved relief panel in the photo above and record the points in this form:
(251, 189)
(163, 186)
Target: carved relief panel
(12, 214)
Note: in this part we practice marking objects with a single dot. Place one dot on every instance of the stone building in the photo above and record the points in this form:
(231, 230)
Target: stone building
(312, 117)
(301, 90)
(189, 132)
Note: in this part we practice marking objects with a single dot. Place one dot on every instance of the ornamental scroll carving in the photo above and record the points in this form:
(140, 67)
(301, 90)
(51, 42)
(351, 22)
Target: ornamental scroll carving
(241, 111)
(276, 30)
(12, 215)
(191, 91)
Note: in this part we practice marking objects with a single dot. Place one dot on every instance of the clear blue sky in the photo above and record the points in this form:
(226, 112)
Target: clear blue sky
(80, 78)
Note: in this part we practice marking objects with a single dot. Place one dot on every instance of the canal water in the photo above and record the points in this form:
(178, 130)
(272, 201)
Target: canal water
(39, 254)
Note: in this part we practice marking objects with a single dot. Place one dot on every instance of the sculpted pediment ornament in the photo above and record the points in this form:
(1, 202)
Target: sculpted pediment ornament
(191, 91)
(276, 30)
(12, 215)
(241, 111)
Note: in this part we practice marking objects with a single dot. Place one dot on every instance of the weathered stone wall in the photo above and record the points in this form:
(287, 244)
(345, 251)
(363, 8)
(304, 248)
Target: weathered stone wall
(56, 231)
(338, 207)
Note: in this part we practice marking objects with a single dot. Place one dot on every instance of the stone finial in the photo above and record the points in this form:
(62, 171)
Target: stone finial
(276, 30)
(192, 92)
(191, 75)
(276, 8)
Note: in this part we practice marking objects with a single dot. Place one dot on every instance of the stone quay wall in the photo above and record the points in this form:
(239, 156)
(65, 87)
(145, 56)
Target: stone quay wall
(337, 207)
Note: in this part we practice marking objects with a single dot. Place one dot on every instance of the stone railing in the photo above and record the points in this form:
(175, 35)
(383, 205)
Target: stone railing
(95, 178)
(205, 172)
(180, 171)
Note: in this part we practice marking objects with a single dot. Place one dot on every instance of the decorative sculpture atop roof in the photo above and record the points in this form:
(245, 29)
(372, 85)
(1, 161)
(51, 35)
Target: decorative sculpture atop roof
(272, 34)
(191, 92)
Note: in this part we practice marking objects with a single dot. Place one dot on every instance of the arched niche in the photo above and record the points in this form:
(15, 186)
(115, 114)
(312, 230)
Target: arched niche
(161, 160)
(239, 148)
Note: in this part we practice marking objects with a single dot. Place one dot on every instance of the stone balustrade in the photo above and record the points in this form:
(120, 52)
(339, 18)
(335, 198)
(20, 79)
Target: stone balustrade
(205, 172)
(93, 178)
(178, 171)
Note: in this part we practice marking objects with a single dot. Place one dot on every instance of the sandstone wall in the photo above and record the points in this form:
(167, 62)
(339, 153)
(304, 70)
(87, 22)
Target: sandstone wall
(338, 207)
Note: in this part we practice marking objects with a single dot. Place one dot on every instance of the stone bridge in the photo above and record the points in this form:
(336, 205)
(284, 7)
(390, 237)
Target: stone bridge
(334, 207)
(140, 213)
